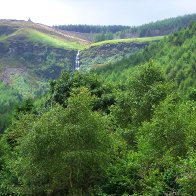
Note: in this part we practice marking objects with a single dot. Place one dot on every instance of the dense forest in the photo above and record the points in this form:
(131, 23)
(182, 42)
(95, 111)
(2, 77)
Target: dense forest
(9, 98)
(127, 128)
(158, 28)
(92, 28)
(162, 27)
(175, 54)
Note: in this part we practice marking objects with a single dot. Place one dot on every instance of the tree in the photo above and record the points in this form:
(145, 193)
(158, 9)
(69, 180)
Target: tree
(163, 143)
(9, 98)
(145, 91)
(62, 151)
(61, 88)
(187, 177)
(171, 129)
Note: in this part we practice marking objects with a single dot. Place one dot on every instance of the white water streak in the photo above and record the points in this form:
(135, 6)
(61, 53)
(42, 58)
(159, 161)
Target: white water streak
(78, 61)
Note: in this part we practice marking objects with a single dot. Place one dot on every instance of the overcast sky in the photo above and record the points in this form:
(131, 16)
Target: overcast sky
(103, 12)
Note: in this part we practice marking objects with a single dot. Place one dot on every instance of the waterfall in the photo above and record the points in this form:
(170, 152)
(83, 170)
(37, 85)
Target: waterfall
(78, 61)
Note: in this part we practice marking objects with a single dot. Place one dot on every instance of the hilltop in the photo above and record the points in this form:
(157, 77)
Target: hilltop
(11, 28)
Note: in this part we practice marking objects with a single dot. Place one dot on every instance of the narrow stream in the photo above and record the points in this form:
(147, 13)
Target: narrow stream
(78, 61)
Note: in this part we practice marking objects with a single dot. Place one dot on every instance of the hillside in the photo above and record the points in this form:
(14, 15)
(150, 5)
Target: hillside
(34, 52)
(159, 28)
(30, 55)
(105, 52)
(175, 54)
(10, 26)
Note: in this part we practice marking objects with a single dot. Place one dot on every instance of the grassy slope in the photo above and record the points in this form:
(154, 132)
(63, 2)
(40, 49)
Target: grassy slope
(129, 40)
(43, 38)
(42, 34)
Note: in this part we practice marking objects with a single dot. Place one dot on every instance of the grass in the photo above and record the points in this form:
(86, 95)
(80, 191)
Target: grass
(54, 41)
(129, 40)
(43, 38)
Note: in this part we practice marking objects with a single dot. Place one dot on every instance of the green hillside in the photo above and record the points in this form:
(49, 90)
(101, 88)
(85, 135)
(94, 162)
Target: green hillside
(31, 54)
(9, 26)
(34, 52)
(36, 36)
(176, 54)
(129, 40)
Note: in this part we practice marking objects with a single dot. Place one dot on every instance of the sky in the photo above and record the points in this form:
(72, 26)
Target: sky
(97, 12)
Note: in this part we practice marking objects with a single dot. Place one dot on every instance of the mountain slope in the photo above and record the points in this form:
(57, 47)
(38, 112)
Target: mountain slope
(32, 53)
(10, 26)
(176, 54)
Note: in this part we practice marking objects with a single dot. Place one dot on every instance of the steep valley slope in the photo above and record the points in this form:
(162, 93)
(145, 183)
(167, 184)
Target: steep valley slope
(32, 53)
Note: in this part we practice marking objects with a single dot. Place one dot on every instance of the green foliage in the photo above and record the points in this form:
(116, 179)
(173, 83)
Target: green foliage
(164, 142)
(176, 54)
(92, 28)
(9, 98)
(187, 178)
(27, 106)
(123, 176)
(172, 125)
(101, 37)
(145, 90)
(61, 88)
(77, 149)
